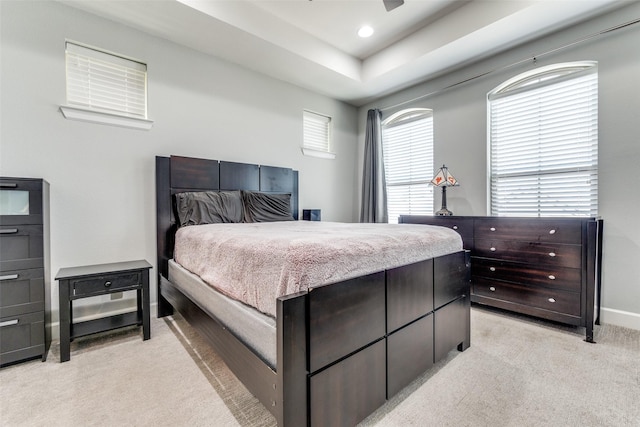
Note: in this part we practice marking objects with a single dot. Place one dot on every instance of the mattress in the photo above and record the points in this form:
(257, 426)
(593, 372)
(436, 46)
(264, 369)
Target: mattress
(258, 262)
(255, 329)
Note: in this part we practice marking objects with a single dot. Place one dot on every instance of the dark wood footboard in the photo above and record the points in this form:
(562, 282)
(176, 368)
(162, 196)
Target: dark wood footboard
(344, 349)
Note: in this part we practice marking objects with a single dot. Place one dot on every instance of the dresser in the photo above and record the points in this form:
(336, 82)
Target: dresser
(542, 267)
(25, 324)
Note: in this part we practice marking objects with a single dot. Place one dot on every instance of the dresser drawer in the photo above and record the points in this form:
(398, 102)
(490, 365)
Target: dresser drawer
(21, 247)
(464, 226)
(534, 230)
(98, 285)
(558, 255)
(545, 298)
(568, 279)
(21, 291)
(21, 332)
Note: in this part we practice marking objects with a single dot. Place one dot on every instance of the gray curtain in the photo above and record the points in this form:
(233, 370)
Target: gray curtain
(374, 188)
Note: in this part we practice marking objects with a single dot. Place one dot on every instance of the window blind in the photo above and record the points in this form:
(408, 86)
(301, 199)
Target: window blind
(317, 131)
(544, 146)
(107, 82)
(407, 145)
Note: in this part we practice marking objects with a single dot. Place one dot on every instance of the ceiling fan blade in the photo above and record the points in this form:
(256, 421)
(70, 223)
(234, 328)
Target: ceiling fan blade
(392, 4)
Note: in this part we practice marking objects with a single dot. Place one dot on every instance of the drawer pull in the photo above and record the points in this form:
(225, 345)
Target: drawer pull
(492, 249)
(9, 231)
(455, 227)
(552, 231)
(492, 229)
(492, 269)
(9, 277)
(552, 254)
(492, 289)
(9, 323)
(552, 277)
(107, 284)
(551, 300)
(8, 185)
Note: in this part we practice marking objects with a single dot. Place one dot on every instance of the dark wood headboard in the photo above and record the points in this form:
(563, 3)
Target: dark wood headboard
(177, 174)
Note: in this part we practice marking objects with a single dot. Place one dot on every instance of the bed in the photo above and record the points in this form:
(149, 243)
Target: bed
(326, 353)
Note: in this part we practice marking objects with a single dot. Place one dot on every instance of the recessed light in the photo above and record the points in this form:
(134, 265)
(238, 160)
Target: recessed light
(365, 31)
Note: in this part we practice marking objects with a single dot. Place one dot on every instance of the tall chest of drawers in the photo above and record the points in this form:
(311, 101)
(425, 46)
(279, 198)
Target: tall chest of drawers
(24, 270)
(543, 267)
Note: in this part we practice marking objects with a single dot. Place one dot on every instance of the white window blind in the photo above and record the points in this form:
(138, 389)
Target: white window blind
(105, 82)
(407, 144)
(544, 143)
(317, 134)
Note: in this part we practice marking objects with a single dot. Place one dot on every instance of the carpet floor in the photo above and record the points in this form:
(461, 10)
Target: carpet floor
(517, 372)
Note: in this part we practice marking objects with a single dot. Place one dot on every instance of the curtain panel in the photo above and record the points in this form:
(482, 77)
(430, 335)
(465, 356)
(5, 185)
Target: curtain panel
(374, 189)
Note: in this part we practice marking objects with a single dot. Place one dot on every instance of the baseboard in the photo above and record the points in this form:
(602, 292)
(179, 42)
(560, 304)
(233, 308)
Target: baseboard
(620, 318)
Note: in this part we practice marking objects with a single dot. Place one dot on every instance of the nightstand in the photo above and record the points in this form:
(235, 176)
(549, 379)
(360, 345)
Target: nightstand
(102, 279)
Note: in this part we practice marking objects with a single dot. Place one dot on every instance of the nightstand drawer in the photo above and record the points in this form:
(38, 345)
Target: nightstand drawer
(569, 256)
(539, 275)
(21, 291)
(535, 230)
(98, 285)
(544, 298)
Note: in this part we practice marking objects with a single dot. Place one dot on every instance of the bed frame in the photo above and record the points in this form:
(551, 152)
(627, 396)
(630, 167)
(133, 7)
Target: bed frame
(342, 349)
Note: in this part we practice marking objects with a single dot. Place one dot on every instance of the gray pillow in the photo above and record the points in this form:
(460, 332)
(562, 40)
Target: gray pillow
(266, 207)
(209, 207)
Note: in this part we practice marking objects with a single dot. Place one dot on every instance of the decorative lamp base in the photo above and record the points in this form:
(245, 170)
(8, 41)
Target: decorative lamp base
(444, 212)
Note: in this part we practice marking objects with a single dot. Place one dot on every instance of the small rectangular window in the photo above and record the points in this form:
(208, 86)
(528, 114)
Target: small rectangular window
(317, 135)
(105, 82)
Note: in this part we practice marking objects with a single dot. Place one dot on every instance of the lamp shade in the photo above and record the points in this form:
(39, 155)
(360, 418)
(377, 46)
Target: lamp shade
(443, 178)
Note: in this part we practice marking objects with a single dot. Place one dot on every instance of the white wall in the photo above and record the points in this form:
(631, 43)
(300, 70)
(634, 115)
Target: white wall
(102, 177)
(460, 134)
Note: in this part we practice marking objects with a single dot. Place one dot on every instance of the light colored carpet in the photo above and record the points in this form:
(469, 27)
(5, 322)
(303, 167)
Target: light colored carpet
(517, 372)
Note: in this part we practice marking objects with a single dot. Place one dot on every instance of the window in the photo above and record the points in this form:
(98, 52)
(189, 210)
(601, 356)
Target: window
(317, 135)
(104, 87)
(543, 134)
(407, 146)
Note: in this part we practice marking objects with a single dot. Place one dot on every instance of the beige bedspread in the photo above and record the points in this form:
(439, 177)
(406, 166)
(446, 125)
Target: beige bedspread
(258, 262)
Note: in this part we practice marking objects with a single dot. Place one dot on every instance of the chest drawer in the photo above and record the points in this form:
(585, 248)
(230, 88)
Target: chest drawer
(537, 275)
(21, 291)
(21, 247)
(103, 284)
(534, 230)
(545, 298)
(558, 255)
(20, 333)
(21, 201)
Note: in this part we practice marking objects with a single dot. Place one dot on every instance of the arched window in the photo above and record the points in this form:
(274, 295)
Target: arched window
(407, 144)
(543, 142)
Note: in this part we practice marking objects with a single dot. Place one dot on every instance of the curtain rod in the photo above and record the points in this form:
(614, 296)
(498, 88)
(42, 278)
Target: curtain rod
(506, 67)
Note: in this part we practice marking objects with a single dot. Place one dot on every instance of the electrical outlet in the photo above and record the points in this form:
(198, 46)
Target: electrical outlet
(116, 295)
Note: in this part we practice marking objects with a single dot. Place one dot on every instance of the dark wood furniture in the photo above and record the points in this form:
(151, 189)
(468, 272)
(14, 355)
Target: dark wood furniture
(25, 303)
(342, 349)
(312, 214)
(93, 280)
(543, 267)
